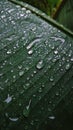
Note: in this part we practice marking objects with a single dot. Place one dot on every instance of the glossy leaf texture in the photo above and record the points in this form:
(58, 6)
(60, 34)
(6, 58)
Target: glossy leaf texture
(36, 71)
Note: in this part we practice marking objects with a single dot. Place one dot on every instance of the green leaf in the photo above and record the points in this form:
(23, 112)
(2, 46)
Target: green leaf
(36, 69)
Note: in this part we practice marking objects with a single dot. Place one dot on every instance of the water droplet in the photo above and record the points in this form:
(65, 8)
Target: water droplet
(8, 99)
(27, 109)
(20, 66)
(23, 8)
(32, 122)
(43, 85)
(28, 78)
(55, 52)
(58, 39)
(57, 94)
(28, 11)
(72, 59)
(39, 65)
(67, 66)
(21, 73)
(22, 15)
(34, 72)
(40, 90)
(13, 119)
(11, 71)
(9, 52)
(1, 74)
(32, 43)
(51, 79)
(51, 117)
(30, 52)
(14, 76)
(6, 80)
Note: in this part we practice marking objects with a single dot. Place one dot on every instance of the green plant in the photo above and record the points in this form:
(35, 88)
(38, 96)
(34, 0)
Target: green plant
(36, 70)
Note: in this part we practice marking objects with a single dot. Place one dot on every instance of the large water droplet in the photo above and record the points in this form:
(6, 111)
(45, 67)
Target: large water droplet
(39, 65)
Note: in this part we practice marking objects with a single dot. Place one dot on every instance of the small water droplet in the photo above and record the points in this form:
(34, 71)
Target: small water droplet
(28, 78)
(11, 71)
(32, 122)
(55, 52)
(1, 74)
(20, 66)
(23, 8)
(6, 80)
(28, 11)
(13, 119)
(72, 59)
(57, 94)
(40, 90)
(43, 85)
(51, 79)
(27, 109)
(39, 65)
(67, 66)
(9, 52)
(8, 99)
(14, 76)
(30, 52)
(21, 73)
(34, 72)
(51, 117)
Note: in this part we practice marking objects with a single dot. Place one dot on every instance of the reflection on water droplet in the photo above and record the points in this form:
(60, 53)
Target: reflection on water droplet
(27, 109)
(21, 73)
(8, 99)
(39, 65)
(67, 66)
(51, 117)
